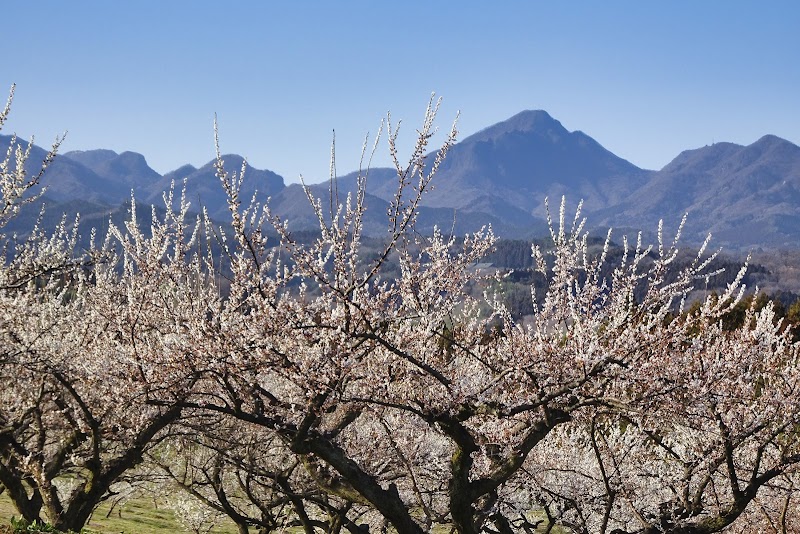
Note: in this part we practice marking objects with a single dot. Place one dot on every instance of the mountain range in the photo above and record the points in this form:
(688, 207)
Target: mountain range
(748, 197)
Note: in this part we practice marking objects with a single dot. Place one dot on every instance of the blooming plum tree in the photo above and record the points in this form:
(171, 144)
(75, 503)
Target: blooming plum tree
(88, 340)
(322, 392)
(407, 396)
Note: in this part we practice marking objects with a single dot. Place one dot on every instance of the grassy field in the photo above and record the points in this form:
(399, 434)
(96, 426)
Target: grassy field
(137, 516)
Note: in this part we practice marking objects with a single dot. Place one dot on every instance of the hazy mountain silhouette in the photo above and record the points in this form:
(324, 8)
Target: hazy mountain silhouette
(91, 158)
(748, 196)
(128, 169)
(203, 188)
(67, 179)
(529, 157)
(504, 172)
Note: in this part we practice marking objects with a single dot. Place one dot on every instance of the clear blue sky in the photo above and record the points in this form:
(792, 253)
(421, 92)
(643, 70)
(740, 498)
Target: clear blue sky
(646, 79)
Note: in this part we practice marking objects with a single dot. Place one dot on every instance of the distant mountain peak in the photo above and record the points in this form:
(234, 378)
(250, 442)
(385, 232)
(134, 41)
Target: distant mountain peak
(203, 186)
(232, 162)
(91, 158)
(530, 119)
(747, 195)
(132, 159)
(733, 155)
(181, 172)
(535, 121)
(770, 141)
(233, 157)
(74, 154)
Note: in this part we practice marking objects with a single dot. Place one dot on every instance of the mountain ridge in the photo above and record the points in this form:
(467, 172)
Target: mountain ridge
(748, 195)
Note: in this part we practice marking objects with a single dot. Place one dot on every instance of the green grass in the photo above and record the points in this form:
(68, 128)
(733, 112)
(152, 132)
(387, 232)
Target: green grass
(140, 516)
(136, 516)
(7, 509)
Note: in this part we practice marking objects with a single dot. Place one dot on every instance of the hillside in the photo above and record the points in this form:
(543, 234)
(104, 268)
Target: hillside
(747, 196)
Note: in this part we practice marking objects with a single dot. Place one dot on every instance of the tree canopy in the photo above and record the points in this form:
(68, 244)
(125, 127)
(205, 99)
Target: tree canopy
(309, 384)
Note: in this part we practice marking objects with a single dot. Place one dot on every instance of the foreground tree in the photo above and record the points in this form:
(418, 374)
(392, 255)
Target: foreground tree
(250, 476)
(407, 395)
(703, 440)
(76, 329)
(76, 408)
(323, 394)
